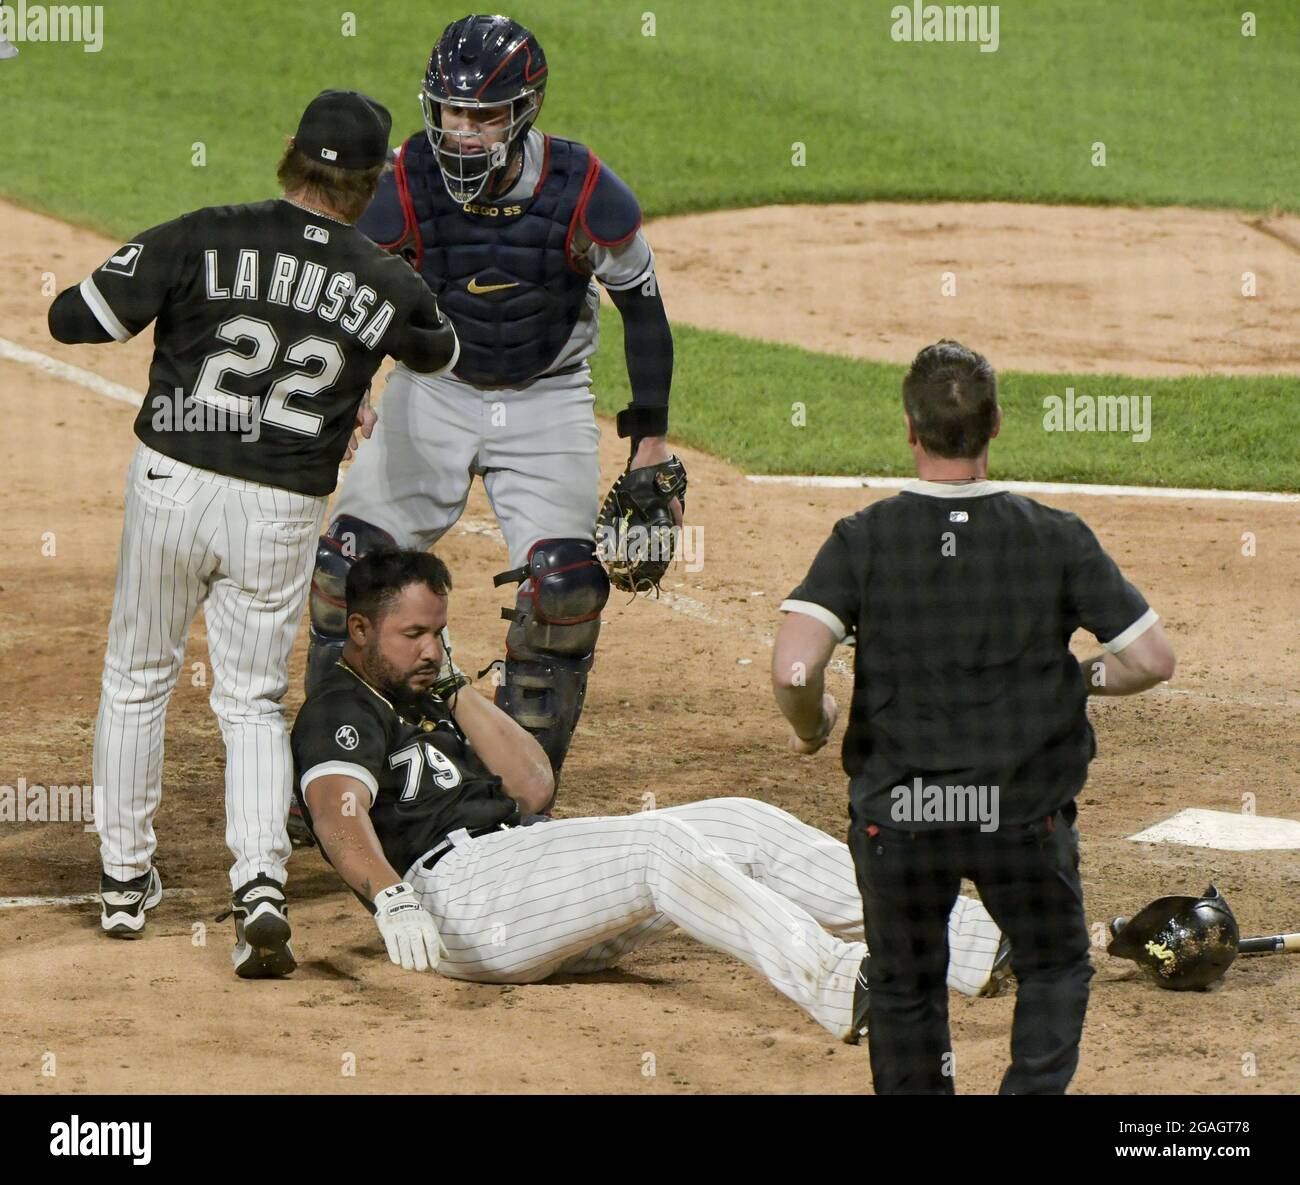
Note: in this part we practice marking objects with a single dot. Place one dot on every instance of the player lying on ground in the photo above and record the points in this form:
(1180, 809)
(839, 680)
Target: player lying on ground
(422, 794)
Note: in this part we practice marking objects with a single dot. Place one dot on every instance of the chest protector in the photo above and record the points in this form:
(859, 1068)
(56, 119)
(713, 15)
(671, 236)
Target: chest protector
(502, 270)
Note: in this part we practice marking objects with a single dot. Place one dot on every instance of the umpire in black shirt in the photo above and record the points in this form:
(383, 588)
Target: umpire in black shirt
(968, 735)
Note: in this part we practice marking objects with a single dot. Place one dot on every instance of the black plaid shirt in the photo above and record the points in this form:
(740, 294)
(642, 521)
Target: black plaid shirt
(963, 599)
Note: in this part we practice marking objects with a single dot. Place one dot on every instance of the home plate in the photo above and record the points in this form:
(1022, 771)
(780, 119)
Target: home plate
(1225, 830)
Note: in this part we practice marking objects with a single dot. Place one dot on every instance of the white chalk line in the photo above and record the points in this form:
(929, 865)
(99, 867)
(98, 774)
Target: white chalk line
(1029, 487)
(468, 525)
(91, 381)
(73, 374)
(1250, 701)
(74, 899)
(688, 605)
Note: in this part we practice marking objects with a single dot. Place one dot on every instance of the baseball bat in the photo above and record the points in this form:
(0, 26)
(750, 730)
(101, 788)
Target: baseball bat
(1273, 944)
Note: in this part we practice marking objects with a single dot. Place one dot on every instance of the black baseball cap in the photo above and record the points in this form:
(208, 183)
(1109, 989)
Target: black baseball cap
(345, 129)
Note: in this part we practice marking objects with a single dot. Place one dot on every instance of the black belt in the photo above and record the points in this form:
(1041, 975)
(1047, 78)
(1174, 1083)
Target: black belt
(438, 851)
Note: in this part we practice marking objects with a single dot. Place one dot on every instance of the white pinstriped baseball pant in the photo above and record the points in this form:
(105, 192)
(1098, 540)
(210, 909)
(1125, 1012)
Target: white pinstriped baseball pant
(243, 551)
(745, 877)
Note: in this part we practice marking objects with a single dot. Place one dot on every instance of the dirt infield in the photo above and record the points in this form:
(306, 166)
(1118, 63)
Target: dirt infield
(1148, 292)
(680, 709)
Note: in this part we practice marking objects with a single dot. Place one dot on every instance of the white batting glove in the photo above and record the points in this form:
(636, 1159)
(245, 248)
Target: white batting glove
(409, 931)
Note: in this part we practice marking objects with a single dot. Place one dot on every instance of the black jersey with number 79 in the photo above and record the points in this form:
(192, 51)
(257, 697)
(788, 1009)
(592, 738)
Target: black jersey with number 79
(422, 775)
(271, 322)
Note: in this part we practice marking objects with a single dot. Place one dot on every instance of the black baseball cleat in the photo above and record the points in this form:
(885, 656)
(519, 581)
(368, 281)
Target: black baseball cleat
(262, 949)
(859, 1029)
(1000, 975)
(122, 904)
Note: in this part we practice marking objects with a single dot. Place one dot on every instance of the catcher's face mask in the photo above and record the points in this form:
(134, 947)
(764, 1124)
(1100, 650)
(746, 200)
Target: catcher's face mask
(466, 173)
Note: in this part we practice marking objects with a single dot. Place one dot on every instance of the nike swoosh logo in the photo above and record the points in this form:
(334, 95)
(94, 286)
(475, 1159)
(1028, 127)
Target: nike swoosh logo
(478, 289)
(152, 476)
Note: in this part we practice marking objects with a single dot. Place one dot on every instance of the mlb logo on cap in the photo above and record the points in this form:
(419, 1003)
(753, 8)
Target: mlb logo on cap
(346, 129)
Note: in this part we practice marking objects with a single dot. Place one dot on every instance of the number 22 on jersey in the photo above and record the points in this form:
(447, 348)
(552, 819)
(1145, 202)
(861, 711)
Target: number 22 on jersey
(266, 345)
(445, 773)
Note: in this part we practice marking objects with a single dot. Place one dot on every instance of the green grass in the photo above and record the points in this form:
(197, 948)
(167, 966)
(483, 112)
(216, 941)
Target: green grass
(736, 399)
(700, 116)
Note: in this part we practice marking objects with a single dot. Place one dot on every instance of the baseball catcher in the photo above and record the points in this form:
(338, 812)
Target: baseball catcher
(515, 231)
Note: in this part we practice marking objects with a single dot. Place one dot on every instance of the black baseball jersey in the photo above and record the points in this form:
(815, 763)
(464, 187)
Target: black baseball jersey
(271, 322)
(424, 775)
(964, 600)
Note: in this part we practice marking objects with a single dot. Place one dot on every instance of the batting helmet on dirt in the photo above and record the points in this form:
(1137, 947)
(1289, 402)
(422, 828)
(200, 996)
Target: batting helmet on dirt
(1182, 942)
(481, 62)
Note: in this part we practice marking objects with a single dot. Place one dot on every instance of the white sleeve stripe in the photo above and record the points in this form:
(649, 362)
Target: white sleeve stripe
(347, 769)
(103, 314)
(641, 279)
(455, 357)
(820, 612)
(1133, 633)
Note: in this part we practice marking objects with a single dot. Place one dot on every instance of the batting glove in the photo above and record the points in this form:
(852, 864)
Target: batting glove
(409, 931)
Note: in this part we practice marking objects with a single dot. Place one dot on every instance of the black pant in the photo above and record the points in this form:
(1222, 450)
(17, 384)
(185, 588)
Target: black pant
(1028, 878)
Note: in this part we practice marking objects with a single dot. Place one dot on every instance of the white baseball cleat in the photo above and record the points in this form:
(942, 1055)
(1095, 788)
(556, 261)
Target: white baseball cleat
(262, 949)
(123, 904)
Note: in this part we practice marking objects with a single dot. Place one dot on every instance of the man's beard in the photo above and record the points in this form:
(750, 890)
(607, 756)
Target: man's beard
(391, 680)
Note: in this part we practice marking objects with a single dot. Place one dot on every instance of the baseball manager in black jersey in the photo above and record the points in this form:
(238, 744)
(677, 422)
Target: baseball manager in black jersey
(271, 320)
(968, 735)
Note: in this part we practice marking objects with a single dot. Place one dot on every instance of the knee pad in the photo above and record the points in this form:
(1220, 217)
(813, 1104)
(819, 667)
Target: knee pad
(558, 608)
(339, 548)
(552, 639)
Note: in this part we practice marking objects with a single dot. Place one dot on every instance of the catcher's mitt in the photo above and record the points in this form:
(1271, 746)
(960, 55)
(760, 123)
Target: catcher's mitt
(636, 535)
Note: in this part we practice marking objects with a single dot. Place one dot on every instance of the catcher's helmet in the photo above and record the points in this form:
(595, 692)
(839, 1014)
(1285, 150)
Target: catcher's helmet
(481, 61)
(1182, 942)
